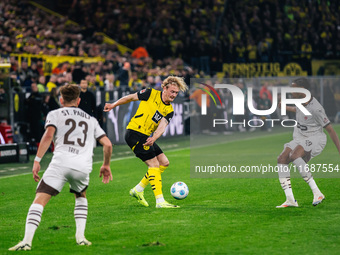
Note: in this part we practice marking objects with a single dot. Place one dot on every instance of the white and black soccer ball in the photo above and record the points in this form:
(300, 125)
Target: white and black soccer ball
(179, 190)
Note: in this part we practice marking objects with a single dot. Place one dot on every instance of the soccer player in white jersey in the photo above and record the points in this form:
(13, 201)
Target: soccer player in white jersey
(308, 141)
(73, 131)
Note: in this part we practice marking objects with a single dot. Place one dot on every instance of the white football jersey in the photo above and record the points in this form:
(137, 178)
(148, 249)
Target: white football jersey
(76, 133)
(310, 125)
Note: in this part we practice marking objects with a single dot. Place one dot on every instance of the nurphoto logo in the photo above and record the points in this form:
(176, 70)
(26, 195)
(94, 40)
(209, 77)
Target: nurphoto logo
(239, 104)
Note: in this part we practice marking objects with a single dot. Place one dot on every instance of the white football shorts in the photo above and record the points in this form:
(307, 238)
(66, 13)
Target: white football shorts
(314, 144)
(57, 177)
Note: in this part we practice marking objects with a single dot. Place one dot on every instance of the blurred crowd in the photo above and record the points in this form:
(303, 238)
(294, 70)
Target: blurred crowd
(191, 39)
(247, 30)
(199, 35)
(25, 28)
(123, 74)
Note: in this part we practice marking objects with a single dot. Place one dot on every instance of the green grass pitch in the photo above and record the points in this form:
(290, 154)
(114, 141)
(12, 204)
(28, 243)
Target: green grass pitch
(220, 215)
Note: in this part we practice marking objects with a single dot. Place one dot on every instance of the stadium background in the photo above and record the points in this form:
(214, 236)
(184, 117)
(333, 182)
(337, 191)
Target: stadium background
(252, 43)
(71, 40)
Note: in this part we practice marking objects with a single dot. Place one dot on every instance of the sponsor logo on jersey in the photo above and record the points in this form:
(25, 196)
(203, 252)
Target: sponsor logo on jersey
(142, 91)
(157, 117)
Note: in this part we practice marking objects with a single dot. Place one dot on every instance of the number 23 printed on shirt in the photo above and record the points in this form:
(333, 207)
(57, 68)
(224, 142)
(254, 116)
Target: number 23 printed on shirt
(81, 141)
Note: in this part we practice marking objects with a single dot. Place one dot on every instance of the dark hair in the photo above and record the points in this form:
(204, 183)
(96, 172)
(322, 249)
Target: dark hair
(302, 82)
(70, 92)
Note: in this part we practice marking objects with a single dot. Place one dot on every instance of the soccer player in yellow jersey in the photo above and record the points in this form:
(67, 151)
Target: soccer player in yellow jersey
(153, 115)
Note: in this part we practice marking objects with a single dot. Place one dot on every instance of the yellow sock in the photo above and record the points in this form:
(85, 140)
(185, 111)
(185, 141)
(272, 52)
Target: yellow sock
(162, 168)
(155, 180)
(145, 181)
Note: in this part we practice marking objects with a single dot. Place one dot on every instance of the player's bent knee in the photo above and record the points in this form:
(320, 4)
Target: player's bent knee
(42, 199)
(293, 156)
(282, 159)
(307, 157)
(279, 159)
(166, 163)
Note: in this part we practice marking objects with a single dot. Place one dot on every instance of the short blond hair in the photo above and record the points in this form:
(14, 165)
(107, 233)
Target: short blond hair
(175, 80)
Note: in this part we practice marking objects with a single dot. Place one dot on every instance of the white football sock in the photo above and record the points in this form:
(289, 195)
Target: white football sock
(284, 178)
(306, 175)
(80, 216)
(139, 188)
(160, 199)
(32, 222)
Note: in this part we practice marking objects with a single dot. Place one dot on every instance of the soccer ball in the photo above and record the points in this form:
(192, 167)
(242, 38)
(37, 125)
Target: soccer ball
(179, 190)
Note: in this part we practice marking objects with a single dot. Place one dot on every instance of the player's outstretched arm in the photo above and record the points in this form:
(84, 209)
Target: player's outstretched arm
(45, 143)
(105, 169)
(124, 100)
(291, 108)
(288, 108)
(157, 134)
(333, 136)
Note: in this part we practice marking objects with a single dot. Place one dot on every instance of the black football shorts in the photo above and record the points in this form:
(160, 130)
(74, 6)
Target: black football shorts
(136, 140)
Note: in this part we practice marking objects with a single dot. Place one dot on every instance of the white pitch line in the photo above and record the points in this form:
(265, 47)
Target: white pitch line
(8, 176)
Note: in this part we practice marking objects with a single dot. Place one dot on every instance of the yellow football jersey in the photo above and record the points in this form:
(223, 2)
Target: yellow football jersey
(150, 111)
